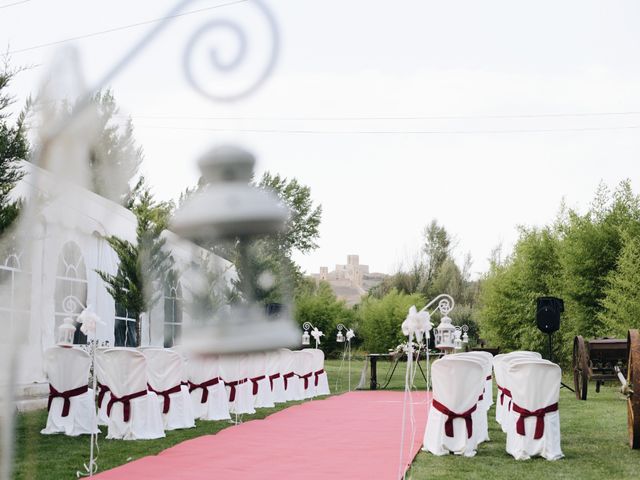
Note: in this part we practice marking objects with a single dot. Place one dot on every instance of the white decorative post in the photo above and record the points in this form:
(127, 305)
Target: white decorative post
(315, 333)
(340, 338)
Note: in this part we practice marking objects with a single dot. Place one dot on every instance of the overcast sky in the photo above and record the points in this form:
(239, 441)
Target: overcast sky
(540, 99)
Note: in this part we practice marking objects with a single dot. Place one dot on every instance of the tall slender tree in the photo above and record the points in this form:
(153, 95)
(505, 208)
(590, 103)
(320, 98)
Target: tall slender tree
(13, 147)
(144, 266)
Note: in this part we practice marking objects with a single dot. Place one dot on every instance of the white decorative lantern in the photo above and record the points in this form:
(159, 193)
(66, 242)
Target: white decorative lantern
(66, 332)
(457, 342)
(340, 337)
(306, 339)
(445, 334)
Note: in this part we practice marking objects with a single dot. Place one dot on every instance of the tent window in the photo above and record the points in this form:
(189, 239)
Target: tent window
(14, 308)
(71, 287)
(125, 332)
(172, 313)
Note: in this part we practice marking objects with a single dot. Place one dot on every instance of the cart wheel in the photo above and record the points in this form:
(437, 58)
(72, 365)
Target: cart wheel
(633, 380)
(580, 367)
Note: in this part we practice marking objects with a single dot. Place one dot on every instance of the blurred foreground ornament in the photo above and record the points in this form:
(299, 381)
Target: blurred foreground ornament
(230, 209)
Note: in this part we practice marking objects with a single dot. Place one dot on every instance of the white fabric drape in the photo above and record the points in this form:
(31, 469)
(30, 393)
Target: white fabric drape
(534, 385)
(166, 370)
(125, 373)
(503, 398)
(234, 369)
(456, 385)
(68, 369)
(319, 377)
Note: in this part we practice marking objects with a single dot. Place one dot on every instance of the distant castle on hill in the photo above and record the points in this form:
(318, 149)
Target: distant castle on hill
(351, 281)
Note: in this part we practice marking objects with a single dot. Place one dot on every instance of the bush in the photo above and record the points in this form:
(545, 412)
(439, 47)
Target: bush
(381, 319)
(318, 305)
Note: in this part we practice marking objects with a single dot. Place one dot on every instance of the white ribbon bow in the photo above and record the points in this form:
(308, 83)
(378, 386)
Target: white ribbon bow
(417, 324)
(89, 321)
(315, 333)
(350, 335)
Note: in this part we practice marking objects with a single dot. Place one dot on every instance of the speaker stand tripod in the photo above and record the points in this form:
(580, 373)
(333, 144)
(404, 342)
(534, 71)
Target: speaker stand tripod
(562, 384)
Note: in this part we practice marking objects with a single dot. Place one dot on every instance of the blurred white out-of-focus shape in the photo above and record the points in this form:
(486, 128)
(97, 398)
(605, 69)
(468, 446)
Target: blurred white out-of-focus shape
(229, 210)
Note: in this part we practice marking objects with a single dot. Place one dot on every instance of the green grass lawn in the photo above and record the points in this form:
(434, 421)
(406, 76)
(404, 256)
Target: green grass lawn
(594, 440)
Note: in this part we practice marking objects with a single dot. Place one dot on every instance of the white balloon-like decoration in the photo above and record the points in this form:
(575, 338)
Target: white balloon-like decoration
(350, 334)
(417, 324)
(89, 321)
(316, 334)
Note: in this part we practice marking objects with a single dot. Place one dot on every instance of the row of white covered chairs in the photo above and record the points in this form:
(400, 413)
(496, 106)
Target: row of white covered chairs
(526, 404)
(142, 393)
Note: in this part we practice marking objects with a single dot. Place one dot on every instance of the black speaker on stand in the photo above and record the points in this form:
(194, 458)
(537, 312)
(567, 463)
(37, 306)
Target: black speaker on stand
(548, 310)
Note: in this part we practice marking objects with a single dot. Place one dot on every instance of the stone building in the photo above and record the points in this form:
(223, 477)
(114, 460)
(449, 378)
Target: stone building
(350, 281)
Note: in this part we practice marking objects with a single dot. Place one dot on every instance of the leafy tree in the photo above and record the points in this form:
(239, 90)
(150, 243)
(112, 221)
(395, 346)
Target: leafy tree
(509, 291)
(622, 295)
(449, 280)
(302, 230)
(13, 147)
(145, 265)
(590, 247)
(436, 249)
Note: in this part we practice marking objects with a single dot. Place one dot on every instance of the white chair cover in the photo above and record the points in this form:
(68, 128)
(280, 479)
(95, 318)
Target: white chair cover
(508, 382)
(303, 368)
(260, 385)
(503, 397)
(73, 413)
(534, 425)
(274, 373)
(481, 415)
(208, 394)
(291, 382)
(235, 372)
(457, 386)
(134, 413)
(165, 373)
(103, 390)
(320, 379)
(488, 387)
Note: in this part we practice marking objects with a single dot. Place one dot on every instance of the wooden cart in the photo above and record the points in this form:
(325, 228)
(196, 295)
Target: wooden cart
(597, 360)
(632, 388)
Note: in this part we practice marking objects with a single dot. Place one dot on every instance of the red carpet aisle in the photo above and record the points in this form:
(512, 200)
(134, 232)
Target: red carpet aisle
(354, 436)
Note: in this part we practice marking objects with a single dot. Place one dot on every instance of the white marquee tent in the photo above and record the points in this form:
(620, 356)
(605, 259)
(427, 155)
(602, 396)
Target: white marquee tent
(70, 245)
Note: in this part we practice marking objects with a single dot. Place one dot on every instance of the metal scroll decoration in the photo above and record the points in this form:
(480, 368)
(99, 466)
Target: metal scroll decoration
(216, 60)
(240, 58)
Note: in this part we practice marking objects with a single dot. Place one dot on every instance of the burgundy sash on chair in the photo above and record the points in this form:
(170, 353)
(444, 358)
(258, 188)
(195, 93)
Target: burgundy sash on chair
(204, 386)
(306, 379)
(317, 374)
(165, 394)
(286, 378)
(539, 414)
(53, 393)
(103, 390)
(448, 424)
(255, 381)
(272, 378)
(232, 392)
(126, 403)
(503, 392)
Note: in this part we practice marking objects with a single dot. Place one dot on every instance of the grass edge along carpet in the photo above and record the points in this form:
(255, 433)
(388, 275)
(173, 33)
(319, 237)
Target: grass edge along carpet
(355, 435)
